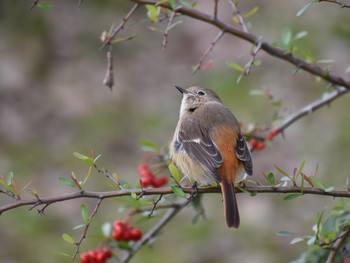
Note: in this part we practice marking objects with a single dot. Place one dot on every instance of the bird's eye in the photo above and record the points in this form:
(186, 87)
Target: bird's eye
(201, 93)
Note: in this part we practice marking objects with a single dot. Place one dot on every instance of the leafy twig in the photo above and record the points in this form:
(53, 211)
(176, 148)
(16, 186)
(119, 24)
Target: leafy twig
(208, 50)
(272, 50)
(337, 244)
(78, 244)
(165, 37)
(238, 15)
(121, 25)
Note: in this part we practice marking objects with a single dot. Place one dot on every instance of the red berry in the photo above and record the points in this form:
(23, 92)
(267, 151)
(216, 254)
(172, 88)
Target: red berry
(92, 255)
(270, 136)
(147, 181)
(107, 252)
(253, 143)
(160, 181)
(260, 146)
(100, 256)
(127, 233)
(84, 258)
(136, 234)
(275, 131)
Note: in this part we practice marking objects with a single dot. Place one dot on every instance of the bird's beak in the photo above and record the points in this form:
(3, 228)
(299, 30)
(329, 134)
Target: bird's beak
(182, 90)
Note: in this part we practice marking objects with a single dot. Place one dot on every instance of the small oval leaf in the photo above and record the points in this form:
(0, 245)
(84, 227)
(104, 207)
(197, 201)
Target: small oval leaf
(174, 172)
(68, 239)
(291, 196)
(178, 191)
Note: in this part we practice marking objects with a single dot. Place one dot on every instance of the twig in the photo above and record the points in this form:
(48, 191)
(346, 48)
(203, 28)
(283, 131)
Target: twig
(335, 248)
(342, 5)
(120, 26)
(272, 50)
(310, 108)
(167, 191)
(238, 15)
(77, 244)
(107, 174)
(165, 37)
(254, 52)
(155, 205)
(216, 7)
(208, 50)
(109, 77)
(153, 232)
(34, 4)
(80, 3)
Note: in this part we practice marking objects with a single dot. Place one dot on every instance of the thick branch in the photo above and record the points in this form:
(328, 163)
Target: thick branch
(166, 191)
(272, 50)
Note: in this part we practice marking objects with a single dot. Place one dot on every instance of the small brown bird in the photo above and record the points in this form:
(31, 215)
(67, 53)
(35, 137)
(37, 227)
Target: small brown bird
(208, 146)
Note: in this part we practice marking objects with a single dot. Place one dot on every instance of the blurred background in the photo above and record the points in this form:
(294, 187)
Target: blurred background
(53, 103)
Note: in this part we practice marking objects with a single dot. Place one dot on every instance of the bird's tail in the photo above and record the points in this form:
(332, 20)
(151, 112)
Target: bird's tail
(230, 204)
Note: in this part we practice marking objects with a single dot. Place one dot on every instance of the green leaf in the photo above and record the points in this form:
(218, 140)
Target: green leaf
(270, 178)
(300, 168)
(316, 182)
(152, 13)
(283, 172)
(257, 63)
(286, 35)
(285, 234)
(67, 182)
(178, 191)
(291, 196)
(68, 239)
(133, 195)
(235, 66)
(251, 12)
(149, 146)
(301, 34)
(80, 156)
(174, 24)
(78, 226)
(296, 240)
(174, 172)
(254, 193)
(305, 7)
(329, 189)
(84, 213)
(172, 4)
(106, 229)
(9, 177)
(161, 2)
(45, 5)
(122, 39)
(195, 219)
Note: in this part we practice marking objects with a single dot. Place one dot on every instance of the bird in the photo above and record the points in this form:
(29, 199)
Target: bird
(208, 146)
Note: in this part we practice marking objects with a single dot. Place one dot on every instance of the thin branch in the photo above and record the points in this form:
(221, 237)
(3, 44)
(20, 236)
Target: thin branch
(121, 25)
(34, 4)
(335, 248)
(216, 7)
(253, 54)
(109, 176)
(165, 37)
(167, 191)
(154, 231)
(86, 228)
(342, 5)
(238, 15)
(207, 51)
(272, 50)
(312, 107)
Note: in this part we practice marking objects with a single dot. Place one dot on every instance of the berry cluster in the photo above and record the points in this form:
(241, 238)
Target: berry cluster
(124, 232)
(96, 256)
(272, 134)
(257, 145)
(149, 179)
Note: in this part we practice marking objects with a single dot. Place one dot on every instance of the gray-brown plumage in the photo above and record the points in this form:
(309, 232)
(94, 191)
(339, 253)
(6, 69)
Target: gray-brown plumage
(208, 145)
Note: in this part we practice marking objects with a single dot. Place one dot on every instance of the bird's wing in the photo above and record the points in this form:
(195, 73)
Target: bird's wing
(243, 154)
(200, 147)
